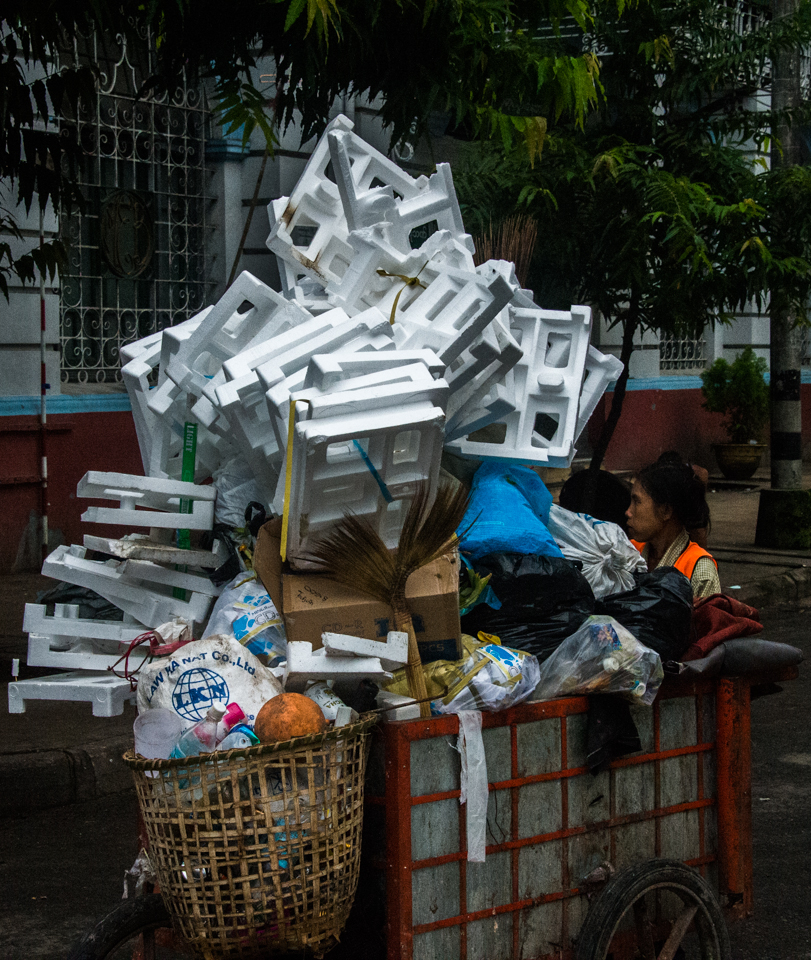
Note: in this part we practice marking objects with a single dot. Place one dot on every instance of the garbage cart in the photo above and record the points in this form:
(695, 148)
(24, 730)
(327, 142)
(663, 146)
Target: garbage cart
(577, 865)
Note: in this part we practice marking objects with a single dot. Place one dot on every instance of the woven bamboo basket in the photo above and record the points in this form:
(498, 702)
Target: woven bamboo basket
(257, 851)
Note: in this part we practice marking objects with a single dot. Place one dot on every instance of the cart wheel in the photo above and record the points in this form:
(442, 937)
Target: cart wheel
(138, 929)
(656, 910)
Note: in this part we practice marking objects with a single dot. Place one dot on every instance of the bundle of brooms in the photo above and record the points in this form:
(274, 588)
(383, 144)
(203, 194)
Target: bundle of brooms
(354, 554)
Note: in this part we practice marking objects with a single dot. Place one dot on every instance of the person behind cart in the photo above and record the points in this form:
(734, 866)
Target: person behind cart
(667, 500)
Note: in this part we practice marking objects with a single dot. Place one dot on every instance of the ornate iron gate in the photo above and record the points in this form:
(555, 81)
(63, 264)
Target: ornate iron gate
(136, 250)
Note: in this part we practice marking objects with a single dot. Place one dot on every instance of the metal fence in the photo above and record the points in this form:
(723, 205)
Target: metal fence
(136, 249)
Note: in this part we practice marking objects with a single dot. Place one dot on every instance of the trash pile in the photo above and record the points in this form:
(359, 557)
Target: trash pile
(339, 393)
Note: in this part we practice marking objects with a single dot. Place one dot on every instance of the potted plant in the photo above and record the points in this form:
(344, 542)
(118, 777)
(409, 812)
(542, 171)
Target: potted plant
(739, 391)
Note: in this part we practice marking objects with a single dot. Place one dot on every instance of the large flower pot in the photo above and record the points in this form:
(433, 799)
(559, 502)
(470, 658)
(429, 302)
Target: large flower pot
(738, 461)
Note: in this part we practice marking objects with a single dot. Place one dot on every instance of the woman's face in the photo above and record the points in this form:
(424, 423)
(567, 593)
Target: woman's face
(645, 518)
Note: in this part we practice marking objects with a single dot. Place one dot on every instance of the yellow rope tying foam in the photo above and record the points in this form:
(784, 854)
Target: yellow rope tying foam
(407, 281)
(288, 472)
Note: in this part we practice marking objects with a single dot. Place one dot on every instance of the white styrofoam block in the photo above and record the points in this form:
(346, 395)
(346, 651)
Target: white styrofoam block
(395, 706)
(498, 404)
(480, 368)
(392, 652)
(106, 692)
(159, 499)
(547, 383)
(357, 166)
(136, 374)
(72, 627)
(327, 371)
(80, 654)
(129, 351)
(331, 476)
(150, 606)
(148, 572)
(601, 369)
(228, 329)
(491, 269)
(314, 205)
(143, 547)
(304, 665)
(450, 314)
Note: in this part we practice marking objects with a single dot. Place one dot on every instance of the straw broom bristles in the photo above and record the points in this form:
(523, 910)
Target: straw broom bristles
(512, 239)
(353, 554)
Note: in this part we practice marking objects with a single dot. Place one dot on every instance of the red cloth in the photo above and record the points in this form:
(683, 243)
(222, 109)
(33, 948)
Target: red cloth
(719, 618)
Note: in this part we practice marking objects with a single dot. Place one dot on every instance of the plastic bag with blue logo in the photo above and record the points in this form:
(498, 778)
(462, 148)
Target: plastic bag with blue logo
(245, 612)
(601, 657)
(492, 677)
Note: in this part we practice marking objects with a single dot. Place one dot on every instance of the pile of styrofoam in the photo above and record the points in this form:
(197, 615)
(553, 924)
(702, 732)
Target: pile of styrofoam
(384, 354)
(380, 354)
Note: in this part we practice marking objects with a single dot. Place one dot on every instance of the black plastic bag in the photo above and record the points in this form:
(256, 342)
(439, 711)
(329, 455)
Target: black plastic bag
(658, 611)
(543, 601)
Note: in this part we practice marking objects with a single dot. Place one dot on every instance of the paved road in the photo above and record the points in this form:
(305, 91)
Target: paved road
(63, 869)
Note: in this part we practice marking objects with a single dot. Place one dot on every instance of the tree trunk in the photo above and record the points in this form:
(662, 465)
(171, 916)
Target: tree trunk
(629, 328)
(785, 351)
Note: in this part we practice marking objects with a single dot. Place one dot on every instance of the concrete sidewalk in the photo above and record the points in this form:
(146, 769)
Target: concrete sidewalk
(57, 753)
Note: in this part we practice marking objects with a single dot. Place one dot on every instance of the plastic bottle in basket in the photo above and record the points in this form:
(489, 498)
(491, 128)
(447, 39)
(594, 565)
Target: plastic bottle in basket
(203, 736)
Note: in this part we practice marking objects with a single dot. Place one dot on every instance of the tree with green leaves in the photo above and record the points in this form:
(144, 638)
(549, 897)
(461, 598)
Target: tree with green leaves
(662, 211)
(486, 64)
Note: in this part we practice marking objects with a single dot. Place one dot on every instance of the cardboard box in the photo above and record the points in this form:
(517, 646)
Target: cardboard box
(313, 604)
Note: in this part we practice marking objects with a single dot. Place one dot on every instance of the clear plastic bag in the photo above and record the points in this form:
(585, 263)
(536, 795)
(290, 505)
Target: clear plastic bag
(601, 657)
(609, 558)
(245, 611)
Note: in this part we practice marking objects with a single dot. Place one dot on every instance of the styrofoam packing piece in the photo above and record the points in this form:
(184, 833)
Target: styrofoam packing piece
(480, 368)
(135, 375)
(357, 165)
(352, 402)
(329, 475)
(450, 314)
(136, 348)
(327, 371)
(159, 497)
(547, 383)
(314, 202)
(491, 269)
(287, 315)
(415, 372)
(148, 572)
(71, 626)
(106, 692)
(367, 331)
(361, 286)
(345, 715)
(405, 708)
(141, 547)
(495, 406)
(304, 664)
(151, 606)
(79, 654)
(601, 369)
(310, 295)
(227, 330)
(241, 400)
(392, 653)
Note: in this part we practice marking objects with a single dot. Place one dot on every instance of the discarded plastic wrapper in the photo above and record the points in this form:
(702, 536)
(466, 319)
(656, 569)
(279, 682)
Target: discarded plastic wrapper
(488, 677)
(609, 558)
(473, 783)
(245, 611)
(601, 657)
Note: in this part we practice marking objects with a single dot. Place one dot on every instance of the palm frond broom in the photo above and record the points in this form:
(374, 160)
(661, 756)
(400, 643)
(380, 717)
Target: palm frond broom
(512, 239)
(353, 554)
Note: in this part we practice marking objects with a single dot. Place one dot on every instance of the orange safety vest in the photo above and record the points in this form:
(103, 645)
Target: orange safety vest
(688, 558)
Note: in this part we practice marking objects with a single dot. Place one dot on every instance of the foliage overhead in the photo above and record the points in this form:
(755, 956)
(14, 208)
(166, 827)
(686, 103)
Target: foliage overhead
(739, 391)
(662, 210)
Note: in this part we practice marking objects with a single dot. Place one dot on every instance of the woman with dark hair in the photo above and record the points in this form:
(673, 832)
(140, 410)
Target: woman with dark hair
(667, 500)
